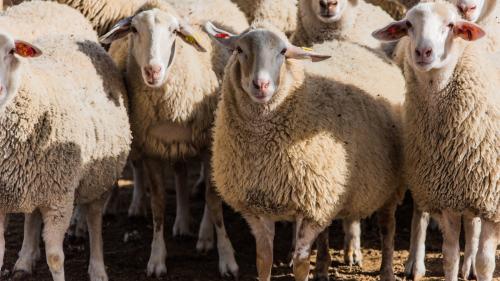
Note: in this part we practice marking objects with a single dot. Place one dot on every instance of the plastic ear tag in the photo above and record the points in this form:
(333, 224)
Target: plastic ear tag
(190, 39)
(25, 50)
(307, 49)
(222, 35)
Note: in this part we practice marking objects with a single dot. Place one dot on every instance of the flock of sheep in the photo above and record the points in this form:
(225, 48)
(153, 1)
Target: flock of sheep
(318, 110)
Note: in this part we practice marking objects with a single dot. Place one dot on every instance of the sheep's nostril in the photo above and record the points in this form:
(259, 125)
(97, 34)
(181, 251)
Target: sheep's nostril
(428, 53)
(418, 53)
(323, 4)
(255, 84)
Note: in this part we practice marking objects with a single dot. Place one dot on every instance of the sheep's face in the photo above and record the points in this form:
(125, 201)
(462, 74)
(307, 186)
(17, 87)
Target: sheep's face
(328, 11)
(433, 29)
(10, 51)
(153, 36)
(469, 9)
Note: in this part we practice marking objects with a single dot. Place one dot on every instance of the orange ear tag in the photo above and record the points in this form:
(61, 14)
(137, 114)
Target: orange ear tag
(25, 50)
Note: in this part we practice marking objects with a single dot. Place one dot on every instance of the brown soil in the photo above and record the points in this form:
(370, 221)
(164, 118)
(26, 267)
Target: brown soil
(127, 261)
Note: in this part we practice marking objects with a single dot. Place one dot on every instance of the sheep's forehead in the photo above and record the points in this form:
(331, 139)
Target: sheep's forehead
(155, 17)
(436, 12)
(261, 39)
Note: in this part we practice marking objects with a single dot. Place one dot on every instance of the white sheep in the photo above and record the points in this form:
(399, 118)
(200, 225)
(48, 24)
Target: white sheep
(66, 134)
(303, 146)
(173, 78)
(452, 129)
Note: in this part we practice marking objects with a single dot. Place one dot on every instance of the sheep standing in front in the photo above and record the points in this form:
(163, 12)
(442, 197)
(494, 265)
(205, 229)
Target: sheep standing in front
(173, 78)
(452, 127)
(66, 138)
(292, 145)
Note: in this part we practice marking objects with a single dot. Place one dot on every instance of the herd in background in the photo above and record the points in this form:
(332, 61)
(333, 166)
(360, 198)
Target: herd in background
(413, 105)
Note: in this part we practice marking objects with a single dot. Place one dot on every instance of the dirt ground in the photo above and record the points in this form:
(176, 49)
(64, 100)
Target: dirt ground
(126, 261)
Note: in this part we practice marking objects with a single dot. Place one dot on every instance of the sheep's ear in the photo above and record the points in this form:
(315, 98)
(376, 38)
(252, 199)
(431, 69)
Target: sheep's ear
(294, 52)
(119, 30)
(468, 31)
(394, 31)
(26, 50)
(225, 38)
(186, 32)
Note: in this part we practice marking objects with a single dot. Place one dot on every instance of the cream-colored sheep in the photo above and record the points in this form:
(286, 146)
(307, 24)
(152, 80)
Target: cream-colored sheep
(173, 79)
(302, 146)
(452, 128)
(350, 20)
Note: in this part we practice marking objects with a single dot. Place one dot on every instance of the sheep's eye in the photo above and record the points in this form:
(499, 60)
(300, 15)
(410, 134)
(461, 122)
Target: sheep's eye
(408, 24)
(239, 50)
(283, 52)
(451, 25)
(133, 29)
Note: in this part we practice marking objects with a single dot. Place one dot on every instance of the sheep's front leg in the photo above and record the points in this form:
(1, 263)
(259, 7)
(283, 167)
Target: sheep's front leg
(97, 270)
(415, 266)
(183, 214)
(472, 227)
(306, 234)
(138, 207)
(30, 251)
(112, 202)
(323, 259)
(263, 232)
(488, 242)
(3, 227)
(156, 263)
(56, 222)
(387, 229)
(227, 262)
(352, 242)
(450, 223)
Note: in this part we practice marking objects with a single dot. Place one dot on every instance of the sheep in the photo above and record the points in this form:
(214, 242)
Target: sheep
(321, 21)
(171, 112)
(275, 122)
(451, 130)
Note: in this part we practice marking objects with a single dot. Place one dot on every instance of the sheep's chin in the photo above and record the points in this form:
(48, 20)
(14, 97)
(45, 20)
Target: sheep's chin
(331, 19)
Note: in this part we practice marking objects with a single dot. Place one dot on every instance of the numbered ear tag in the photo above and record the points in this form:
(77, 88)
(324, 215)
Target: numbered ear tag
(222, 35)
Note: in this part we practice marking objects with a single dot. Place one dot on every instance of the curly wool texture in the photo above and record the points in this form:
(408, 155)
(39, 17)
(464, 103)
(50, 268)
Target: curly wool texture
(103, 14)
(66, 134)
(321, 148)
(189, 96)
(452, 139)
(394, 8)
(356, 25)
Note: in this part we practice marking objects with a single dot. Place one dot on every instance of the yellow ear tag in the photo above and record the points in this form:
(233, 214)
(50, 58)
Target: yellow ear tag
(306, 49)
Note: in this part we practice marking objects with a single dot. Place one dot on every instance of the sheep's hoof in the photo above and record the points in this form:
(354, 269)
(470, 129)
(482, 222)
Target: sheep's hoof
(470, 276)
(20, 275)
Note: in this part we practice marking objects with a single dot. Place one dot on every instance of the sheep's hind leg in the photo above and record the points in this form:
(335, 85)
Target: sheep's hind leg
(30, 251)
(450, 224)
(488, 242)
(183, 214)
(352, 242)
(138, 206)
(56, 222)
(472, 227)
(306, 233)
(387, 229)
(3, 227)
(97, 270)
(263, 231)
(323, 258)
(415, 265)
(156, 263)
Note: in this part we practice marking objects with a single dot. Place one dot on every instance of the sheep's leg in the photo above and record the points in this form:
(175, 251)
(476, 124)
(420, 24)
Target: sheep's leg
(387, 229)
(56, 222)
(306, 234)
(156, 263)
(3, 227)
(78, 226)
(138, 206)
(292, 248)
(206, 237)
(323, 259)
(352, 242)
(112, 202)
(450, 223)
(198, 186)
(227, 262)
(97, 270)
(30, 251)
(472, 227)
(182, 215)
(488, 242)
(263, 231)
(415, 266)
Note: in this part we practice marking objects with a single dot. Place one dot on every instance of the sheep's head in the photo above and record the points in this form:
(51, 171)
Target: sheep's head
(261, 55)
(153, 35)
(469, 9)
(10, 52)
(433, 29)
(329, 11)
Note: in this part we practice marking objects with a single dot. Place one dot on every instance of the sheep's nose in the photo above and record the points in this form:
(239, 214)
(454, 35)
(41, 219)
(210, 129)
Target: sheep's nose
(153, 71)
(425, 52)
(328, 4)
(261, 84)
(466, 9)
